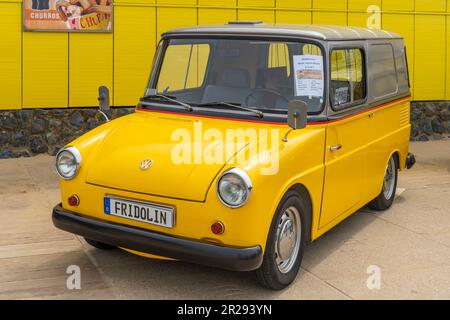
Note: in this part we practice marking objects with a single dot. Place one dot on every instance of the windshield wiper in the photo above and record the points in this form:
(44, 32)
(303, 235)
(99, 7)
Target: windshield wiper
(154, 95)
(233, 105)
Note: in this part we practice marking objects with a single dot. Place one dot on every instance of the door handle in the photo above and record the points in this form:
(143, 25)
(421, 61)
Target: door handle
(371, 115)
(335, 147)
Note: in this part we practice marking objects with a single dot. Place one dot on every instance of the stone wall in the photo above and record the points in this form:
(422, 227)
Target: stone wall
(24, 133)
(430, 120)
(27, 132)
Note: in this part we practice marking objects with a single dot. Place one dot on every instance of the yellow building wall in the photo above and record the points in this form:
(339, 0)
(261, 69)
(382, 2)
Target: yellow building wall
(447, 38)
(10, 56)
(91, 65)
(132, 56)
(45, 74)
(59, 70)
(302, 12)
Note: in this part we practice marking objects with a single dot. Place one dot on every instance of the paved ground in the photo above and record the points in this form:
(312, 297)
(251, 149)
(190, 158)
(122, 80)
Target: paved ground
(410, 243)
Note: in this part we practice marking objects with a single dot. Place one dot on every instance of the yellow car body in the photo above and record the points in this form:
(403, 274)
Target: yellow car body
(338, 161)
(197, 206)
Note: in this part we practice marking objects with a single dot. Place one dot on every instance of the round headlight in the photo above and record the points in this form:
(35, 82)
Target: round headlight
(68, 162)
(234, 188)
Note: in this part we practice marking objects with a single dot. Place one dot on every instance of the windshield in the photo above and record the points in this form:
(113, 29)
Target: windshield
(263, 75)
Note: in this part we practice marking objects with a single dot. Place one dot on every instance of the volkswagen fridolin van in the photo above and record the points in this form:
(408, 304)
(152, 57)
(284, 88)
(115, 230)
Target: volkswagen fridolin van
(250, 141)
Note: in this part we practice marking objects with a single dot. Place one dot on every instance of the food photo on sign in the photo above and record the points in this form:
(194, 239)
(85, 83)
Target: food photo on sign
(68, 15)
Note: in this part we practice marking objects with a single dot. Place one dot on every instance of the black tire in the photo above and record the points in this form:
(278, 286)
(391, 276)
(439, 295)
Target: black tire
(382, 201)
(269, 274)
(99, 245)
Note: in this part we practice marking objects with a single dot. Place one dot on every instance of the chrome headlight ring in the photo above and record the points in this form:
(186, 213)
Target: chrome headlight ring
(239, 185)
(68, 162)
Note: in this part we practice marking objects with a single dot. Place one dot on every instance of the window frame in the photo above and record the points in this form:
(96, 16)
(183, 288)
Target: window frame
(359, 102)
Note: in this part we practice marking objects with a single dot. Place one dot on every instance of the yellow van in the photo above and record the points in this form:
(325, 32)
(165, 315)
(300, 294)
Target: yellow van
(250, 141)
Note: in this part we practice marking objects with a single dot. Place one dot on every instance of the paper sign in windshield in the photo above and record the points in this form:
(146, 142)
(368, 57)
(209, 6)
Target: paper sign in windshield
(308, 75)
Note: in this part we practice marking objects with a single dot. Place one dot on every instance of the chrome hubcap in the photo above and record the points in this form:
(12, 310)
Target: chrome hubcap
(389, 179)
(288, 239)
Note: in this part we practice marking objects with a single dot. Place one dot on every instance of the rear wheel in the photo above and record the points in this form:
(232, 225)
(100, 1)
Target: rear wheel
(285, 244)
(99, 245)
(387, 195)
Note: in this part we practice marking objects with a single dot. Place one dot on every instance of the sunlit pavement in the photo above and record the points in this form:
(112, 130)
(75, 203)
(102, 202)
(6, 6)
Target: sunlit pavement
(410, 244)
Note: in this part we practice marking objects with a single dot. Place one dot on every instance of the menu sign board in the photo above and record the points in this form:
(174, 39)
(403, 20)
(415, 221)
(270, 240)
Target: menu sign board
(308, 75)
(68, 15)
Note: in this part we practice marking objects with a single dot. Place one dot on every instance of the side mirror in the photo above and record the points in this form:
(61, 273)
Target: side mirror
(103, 101)
(297, 114)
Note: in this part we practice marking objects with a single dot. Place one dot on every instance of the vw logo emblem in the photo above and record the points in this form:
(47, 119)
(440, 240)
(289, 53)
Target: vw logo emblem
(146, 163)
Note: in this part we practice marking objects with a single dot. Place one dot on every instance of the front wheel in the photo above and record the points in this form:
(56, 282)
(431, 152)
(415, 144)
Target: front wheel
(387, 195)
(285, 244)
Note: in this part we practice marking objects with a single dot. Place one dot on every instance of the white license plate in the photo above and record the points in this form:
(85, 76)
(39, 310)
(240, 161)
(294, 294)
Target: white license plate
(140, 211)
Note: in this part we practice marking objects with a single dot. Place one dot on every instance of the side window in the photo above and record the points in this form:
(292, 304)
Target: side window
(347, 83)
(184, 67)
(382, 70)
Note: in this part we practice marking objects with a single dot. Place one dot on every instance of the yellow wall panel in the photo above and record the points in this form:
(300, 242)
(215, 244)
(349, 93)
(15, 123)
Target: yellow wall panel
(91, 66)
(218, 3)
(256, 3)
(304, 4)
(45, 70)
(398, 5)
(330, 4)
(134, 47)
(267, 16)
(403, 24)
(360, 18)
(303, 17)
(362, 5)
(180, 2)
(329, 17)
(336, 18)
(118, 3)
(429, 76)
(10, 56)
(170, 18)
(447, 78)
(431, 5)
(216, 16)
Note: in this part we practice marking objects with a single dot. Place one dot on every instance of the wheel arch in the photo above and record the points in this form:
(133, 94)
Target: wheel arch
(397, 155)
(304, 194)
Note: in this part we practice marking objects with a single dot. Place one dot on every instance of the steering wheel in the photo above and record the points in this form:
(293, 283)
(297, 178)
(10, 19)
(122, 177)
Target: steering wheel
(252, 97)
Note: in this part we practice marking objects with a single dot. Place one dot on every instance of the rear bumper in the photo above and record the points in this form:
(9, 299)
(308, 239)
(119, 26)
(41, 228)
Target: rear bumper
(230, 258)
(410, 160)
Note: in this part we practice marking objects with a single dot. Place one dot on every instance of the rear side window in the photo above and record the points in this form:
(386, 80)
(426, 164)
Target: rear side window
(382, 69)
(347, 84)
